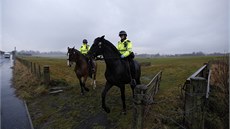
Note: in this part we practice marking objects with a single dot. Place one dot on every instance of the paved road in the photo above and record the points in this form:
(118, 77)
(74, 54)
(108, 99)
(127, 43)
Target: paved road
(13, 111)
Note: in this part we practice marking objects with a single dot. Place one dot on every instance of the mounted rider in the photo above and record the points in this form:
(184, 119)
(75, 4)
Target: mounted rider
(84, 47)
(84, 50)
(124, 46)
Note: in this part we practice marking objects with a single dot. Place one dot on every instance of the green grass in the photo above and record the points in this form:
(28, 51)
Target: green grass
(70, 109)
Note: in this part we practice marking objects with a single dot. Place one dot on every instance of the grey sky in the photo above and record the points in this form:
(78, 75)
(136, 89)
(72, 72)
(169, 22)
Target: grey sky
(154, 26)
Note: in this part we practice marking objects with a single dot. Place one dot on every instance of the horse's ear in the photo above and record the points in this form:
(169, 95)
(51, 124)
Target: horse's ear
(74, 47)
(102, 37)
(68, 48)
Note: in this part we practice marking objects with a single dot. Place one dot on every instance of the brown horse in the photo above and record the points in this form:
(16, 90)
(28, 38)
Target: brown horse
(82, 68)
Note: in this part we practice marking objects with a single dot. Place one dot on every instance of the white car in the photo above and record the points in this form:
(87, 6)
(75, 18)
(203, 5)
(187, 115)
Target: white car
(7, 55)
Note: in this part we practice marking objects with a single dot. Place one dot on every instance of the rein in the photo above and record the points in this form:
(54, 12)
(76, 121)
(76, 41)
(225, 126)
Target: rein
(112, 58)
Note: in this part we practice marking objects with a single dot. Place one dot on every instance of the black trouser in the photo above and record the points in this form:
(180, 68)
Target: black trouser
(132, 68)
(91, 66)
(131, 65)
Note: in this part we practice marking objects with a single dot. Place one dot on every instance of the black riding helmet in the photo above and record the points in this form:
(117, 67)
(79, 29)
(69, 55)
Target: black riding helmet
(85, 41)
(122, 33)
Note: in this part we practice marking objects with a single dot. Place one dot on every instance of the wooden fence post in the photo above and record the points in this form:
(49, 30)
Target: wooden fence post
(197, 98)
(46, 74)
(31, 67)
(143, 96)
(138, 106)
(39, 71)
(34, 67)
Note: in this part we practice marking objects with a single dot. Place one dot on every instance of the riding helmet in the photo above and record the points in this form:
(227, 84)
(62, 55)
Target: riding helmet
(122, 33)
(85, 41)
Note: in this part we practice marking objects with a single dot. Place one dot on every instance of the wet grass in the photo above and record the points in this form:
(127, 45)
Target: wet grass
(71, 110)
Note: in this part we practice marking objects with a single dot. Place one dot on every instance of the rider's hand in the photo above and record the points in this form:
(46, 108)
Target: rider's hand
(122, 56)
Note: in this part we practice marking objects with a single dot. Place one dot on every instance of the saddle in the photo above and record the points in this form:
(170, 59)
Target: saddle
(133, 72)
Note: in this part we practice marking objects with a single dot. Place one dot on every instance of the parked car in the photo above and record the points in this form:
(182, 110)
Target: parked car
(7, 55)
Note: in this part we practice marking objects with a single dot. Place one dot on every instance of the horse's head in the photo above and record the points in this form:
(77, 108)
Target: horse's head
(70, 54)
(97, 47)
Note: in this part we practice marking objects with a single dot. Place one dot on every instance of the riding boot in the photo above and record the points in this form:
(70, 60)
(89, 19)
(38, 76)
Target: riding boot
(132, 70)
(92, 65)
(89, 68)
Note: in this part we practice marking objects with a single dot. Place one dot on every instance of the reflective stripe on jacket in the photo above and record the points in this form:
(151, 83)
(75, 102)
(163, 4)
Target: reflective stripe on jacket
(125, 47)
(84, 49)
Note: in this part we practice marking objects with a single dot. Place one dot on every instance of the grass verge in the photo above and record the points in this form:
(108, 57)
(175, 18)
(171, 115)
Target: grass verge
(71, 110)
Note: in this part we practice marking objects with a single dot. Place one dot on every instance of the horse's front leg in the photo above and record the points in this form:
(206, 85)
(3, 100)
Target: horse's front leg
(81, 85)
(122, 89)
(132, 87)
(94, 79)
(94, 75)
(104, 92)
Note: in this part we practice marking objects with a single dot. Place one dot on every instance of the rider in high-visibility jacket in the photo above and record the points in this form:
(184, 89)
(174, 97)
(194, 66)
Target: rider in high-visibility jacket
(84, 50)
(84, 47)
(124, 46)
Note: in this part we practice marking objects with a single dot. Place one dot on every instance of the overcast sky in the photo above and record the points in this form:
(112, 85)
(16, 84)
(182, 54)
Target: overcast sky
(154, 26)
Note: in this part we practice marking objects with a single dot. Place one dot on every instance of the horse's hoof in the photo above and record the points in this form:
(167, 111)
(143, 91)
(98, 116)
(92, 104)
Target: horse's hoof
(82, 94)
(107, 110)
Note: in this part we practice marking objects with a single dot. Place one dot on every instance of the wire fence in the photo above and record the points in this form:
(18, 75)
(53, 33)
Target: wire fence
(41, 72)
(194, 93)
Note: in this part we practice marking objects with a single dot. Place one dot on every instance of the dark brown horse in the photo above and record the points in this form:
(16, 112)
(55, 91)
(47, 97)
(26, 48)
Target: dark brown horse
(81, 69)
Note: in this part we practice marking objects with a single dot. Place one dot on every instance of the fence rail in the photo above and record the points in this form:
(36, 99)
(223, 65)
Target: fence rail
(143, 96)
(196, 90)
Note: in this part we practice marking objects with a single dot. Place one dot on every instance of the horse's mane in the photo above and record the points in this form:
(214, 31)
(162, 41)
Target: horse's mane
(109, 44)
(79, 53)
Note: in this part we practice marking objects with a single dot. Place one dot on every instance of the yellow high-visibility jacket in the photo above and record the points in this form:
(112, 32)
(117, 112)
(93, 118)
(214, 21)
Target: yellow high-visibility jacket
(84, 49)
(125, 47)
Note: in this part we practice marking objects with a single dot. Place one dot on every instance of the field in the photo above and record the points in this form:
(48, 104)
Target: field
(72, 110)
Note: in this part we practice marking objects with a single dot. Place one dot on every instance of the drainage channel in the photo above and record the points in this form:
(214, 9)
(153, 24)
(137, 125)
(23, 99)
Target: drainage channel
(14, 112)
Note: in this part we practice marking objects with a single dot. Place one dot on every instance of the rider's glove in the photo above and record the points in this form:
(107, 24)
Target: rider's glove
(122, 56)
